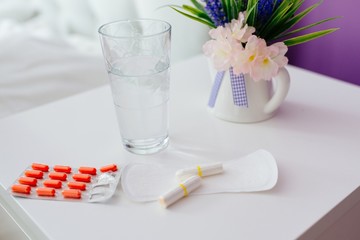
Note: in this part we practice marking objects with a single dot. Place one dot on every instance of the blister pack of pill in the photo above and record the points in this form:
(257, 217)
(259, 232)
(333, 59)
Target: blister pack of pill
(59, 182)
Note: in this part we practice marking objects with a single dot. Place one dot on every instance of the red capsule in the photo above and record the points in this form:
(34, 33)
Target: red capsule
(77, 185)
(88, 170)
(28, 181)
(40, 167)
(60, 168)
(45, 191)
(52, 183)
(58, 176)
(34, 174)
(71, 193)
(18, 188)
(82, 177)
(111, 167)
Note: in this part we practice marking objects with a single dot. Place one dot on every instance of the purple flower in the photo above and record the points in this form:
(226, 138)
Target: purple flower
(266, 9)
(216, 12)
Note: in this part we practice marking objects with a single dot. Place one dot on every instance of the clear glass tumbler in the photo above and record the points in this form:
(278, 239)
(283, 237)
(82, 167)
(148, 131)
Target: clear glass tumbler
(137, 59)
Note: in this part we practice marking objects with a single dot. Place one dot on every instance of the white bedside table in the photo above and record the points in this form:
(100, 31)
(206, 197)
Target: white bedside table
(315, 138)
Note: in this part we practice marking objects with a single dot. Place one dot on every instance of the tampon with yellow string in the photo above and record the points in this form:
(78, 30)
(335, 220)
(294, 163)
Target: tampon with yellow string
(200, 170)
(182, 190)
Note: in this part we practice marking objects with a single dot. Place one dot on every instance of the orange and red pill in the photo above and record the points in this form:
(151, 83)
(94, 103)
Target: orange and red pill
(58, 176)
(52, 183)
(18, 188)
(107, 168)
(77, 185)
(71, 193)
(45, 191)
(34, 174)
(61, 168)
(28, 181)
(40, 167)
(82, 177)
(88, 170)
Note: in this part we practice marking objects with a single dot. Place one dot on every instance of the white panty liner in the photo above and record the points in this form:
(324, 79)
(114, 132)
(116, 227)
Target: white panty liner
(144, 182)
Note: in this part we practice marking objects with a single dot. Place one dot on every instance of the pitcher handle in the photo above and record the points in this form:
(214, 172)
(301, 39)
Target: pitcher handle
(282, 88)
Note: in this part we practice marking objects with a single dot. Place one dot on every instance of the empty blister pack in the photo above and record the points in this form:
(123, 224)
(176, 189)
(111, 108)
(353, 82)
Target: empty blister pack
(254, 172)
(87, 184)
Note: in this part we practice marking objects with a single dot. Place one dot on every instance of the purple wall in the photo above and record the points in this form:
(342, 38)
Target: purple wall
(338, 54)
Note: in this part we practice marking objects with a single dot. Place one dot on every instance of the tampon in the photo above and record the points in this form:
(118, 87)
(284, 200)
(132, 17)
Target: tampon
(88, 170)
(182, 190)
(60, 168)
(34, 173)
(39, 166)
(108, 168)
(200, 170)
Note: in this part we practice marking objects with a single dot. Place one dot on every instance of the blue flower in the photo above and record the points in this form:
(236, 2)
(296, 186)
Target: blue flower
(216, 12)
(265, 9)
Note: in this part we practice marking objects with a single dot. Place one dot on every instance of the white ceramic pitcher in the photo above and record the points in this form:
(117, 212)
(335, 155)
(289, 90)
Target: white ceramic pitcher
(263, 98)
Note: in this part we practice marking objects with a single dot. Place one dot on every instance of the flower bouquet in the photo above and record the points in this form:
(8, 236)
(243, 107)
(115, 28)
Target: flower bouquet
(249, 39)
(252, 36)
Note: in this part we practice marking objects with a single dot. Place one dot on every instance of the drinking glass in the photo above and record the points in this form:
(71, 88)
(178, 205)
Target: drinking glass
(137, 59)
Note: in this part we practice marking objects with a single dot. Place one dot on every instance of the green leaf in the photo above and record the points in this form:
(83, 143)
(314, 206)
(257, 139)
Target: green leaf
(198, 5)
(275, 22)
(210, 24)
(237, 7)
(235, 11)
(308, 37)
(251, 11)
(289, 23)
(305, 27)
(280, 16)
(301, 15)
(196, 12)
(226, 7)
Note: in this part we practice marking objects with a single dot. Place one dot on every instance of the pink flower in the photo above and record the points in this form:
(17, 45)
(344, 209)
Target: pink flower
(219, 32)
(264, 69)
(239, 30)
(278, 51)
(226, 49)
(225, 41)
(267, 65)
(244, 59)
(220, 51)
(260, 61)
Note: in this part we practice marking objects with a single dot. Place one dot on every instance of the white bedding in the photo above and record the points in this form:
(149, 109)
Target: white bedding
(35, 71)
(49, 49)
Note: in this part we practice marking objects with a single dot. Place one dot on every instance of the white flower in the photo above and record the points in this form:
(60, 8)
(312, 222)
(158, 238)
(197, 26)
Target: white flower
(226, 49)
(239, 30)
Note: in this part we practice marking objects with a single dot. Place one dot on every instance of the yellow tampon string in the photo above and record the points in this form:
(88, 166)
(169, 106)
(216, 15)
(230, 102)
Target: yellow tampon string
(199, 171)
(185, 190)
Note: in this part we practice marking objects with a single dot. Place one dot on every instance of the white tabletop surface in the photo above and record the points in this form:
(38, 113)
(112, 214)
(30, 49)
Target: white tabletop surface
(314, 137)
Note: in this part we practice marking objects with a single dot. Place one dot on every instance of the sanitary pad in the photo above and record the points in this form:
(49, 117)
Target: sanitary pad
(144, 182)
